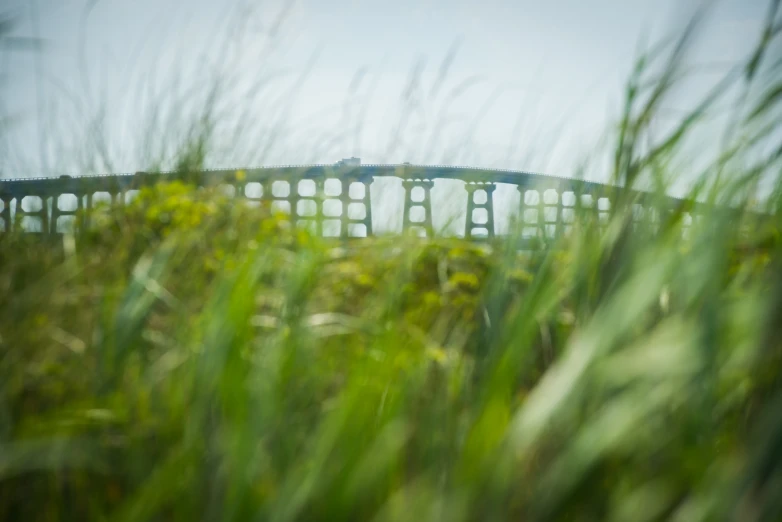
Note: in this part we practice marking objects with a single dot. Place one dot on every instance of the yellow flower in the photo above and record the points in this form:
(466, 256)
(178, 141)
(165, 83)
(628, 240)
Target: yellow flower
(437, 354)
(364, 280)
(465, 280)
(431, 298)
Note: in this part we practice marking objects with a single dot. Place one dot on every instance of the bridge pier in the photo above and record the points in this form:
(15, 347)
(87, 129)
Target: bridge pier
(532, 213)
(58, 212)
(293, 200)
(55, 215)
(424, 203)
(80, 219)
(299, 214)
(320, 196)
(87, 214)
(266, 196)
(6, 213)
(41, 214)
(349, 201)
(480, 196)
(352, 217)
(367, 205)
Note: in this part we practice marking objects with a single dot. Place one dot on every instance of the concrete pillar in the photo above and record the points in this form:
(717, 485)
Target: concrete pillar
(522, 207)
(426, 204)
(55, 214)
(293, 200)
(346, 199)
(559, 229)
(42, 214)
(368, 206)
(469, 224)
(6, 213)
(266, 197)
(80, 224)
(88, 211)
(320, 195)
(541, 215)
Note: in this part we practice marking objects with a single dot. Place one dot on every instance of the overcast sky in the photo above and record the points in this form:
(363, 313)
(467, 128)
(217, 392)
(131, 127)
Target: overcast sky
(531, 84)
(516, 84)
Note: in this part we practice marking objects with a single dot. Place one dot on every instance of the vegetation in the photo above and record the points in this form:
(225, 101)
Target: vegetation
(189, 358)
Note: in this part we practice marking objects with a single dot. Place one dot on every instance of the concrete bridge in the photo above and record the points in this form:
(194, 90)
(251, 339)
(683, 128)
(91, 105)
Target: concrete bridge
(336, 193)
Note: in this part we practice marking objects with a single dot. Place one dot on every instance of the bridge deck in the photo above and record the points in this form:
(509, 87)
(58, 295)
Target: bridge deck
(546, 216)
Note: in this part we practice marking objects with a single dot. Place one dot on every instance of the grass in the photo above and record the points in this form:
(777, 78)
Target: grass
(190, 358)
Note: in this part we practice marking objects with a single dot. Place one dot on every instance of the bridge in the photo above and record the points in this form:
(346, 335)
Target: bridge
(337, 193)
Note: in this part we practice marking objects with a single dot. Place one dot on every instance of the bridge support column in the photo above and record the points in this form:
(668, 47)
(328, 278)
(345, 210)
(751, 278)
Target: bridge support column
(42, 214)
(367, 221)
(425, 203)
(596, 196)
(536, 209)
(55, 214)
(559, 230)
(6, 214)
(364, 200)
(320, 196)
(81, 222)
(45, 220)
(541, 214)
(344, 198)
(477, 191)
(293, 200)
(522, 206)
(266, 196)
(88, 210)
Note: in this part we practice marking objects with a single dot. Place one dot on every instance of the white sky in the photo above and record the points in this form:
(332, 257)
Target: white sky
(554, 71)
(532, 85)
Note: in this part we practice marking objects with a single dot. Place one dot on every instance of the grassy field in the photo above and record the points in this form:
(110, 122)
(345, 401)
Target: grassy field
(194, 359)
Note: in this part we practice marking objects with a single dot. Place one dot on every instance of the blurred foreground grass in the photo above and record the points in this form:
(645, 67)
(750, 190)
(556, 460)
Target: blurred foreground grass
(194, 359)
